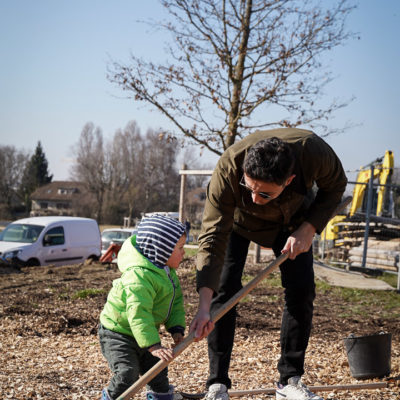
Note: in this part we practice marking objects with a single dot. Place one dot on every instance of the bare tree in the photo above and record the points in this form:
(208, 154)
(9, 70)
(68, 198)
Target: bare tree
(91, 166)
(12, 166)
(192, 162)
(160, 177)
(129, 175)
(127, 163)
(231, 60)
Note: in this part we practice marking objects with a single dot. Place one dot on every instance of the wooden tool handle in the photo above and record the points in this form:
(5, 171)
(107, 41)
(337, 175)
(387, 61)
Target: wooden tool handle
(156, 369)
(327, 388)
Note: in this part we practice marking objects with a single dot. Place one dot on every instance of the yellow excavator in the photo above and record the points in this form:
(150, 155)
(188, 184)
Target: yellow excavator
(382, 169)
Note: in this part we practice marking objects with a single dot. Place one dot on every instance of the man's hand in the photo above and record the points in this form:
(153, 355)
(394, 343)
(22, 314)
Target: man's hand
(161, 352)
(201, 324)
(299, 241)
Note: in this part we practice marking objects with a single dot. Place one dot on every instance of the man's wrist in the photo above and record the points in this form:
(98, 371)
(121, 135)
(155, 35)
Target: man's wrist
(309, 227)
(206, 295)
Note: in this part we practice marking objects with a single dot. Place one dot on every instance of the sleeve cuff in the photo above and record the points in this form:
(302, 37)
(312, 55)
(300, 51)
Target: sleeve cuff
(148, 347)
(177, 329)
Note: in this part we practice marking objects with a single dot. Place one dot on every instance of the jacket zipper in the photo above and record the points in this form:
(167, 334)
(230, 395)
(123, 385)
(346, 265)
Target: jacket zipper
(166, 269)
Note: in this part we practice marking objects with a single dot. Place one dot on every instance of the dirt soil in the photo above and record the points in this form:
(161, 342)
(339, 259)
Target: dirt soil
(49, 347)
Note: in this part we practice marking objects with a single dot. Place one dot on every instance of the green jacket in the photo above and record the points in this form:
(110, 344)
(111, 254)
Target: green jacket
(143, 298)
(229, 207)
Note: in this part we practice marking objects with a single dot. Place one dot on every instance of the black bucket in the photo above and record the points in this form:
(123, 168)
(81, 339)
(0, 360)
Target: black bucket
(369, 356)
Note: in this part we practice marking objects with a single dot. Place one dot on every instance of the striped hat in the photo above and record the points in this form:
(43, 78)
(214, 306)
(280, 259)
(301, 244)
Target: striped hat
(157, 236)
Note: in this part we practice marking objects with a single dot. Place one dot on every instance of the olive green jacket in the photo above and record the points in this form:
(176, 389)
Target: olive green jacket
(229, 206)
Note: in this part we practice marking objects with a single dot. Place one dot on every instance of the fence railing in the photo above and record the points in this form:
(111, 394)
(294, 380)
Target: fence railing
(368, 239)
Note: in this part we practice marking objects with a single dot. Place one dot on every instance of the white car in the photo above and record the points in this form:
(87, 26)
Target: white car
(50, 240)
(115, 235)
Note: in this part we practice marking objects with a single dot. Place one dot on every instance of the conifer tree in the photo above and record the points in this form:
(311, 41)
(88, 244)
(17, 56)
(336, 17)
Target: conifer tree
(36, 174)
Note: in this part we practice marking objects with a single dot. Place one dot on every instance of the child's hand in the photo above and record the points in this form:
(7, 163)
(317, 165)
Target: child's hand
(178, 338)
(161, 352)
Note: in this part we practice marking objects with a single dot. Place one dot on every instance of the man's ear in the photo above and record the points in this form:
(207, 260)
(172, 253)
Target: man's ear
(289, 180)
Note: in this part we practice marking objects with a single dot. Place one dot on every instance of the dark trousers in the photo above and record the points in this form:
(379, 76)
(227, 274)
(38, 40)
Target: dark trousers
(298, 280)
(127, 362)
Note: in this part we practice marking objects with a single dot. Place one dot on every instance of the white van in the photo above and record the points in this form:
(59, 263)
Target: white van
(50, 240)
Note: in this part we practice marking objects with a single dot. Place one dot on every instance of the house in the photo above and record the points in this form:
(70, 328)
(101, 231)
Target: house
(59, 198)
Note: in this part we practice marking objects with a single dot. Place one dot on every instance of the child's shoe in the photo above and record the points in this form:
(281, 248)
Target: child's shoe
(161, 396)
(105, 395)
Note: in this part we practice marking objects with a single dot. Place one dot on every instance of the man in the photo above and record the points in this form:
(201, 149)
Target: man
(262, 191)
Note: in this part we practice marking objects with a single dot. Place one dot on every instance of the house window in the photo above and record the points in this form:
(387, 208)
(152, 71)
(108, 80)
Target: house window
(61, 206)
(44, 205)
(67, 190)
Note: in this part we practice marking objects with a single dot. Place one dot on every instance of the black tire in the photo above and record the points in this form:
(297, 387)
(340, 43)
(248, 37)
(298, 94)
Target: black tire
(91, 259)
(33, 262)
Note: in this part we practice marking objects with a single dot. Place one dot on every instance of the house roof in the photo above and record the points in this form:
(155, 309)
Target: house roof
(59, 190)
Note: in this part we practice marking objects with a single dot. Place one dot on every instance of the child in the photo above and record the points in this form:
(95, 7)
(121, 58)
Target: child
(146, 295)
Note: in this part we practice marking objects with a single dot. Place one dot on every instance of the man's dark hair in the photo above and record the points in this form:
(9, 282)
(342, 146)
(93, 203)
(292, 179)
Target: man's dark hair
(270, 160)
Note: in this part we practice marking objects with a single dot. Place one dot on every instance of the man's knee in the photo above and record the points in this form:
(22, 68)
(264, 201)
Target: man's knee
(299, 301)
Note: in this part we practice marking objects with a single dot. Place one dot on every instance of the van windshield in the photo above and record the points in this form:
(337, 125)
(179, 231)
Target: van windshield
(21, 233)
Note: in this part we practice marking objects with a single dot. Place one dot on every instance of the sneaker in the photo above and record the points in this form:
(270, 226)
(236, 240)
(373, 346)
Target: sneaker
(217, 391)
(295, 390)
(105, 395)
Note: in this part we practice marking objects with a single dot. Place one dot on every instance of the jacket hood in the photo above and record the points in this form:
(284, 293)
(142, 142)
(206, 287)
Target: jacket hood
(157, 237)
(130, 256)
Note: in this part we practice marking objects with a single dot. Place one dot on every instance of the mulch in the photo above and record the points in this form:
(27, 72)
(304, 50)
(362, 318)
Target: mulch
(49, 347)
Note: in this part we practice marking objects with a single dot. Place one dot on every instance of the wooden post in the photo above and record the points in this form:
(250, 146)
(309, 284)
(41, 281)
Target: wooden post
(257, 254)
(182, 196)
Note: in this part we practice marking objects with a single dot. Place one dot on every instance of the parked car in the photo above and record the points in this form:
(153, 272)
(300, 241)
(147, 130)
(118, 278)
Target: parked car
(171, 214)
(115, 235)
(50, 240)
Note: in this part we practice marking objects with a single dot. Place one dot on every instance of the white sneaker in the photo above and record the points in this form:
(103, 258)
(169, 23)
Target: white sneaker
(217, 391)
(295, 390)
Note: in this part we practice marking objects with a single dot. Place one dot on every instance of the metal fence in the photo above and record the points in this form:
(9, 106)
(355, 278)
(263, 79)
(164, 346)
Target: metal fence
(367, 236)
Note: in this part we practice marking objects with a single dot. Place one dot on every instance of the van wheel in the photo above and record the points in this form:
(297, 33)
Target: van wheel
(91, 259)
(33, 262)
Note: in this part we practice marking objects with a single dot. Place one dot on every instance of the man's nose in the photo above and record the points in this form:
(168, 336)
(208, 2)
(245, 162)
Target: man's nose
(257, 198)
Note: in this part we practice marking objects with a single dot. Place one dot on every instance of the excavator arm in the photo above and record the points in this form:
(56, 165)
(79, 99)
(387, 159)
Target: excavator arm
(384, 179)
(382, 169)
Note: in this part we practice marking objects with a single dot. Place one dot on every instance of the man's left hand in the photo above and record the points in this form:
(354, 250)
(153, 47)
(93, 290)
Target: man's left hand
(299, 241)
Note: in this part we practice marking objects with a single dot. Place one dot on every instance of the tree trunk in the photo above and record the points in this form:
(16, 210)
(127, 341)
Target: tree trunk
(237, 78)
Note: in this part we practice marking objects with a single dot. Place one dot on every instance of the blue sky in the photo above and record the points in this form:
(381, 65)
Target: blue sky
(53, 68)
